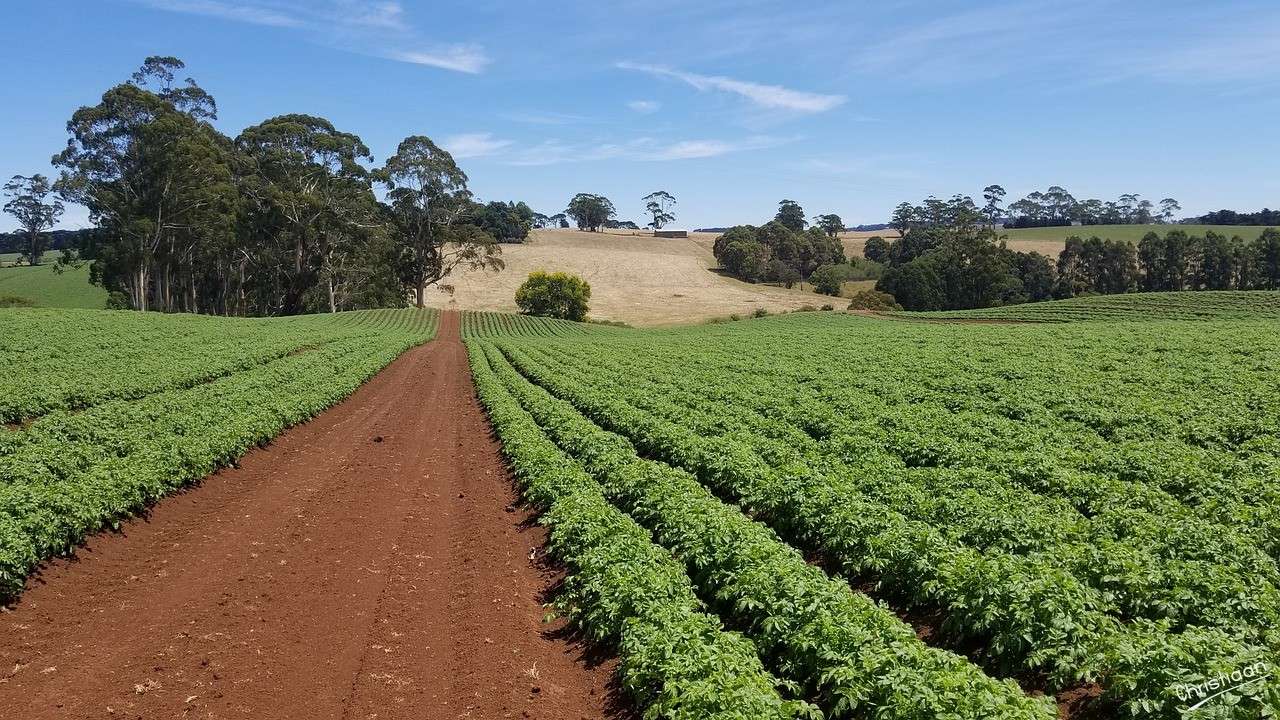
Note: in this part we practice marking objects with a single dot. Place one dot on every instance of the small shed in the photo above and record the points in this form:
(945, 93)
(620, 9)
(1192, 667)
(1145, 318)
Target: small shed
(671, 233)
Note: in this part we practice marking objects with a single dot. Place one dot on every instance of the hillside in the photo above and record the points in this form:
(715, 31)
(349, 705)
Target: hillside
(42, 286)
(636, 279)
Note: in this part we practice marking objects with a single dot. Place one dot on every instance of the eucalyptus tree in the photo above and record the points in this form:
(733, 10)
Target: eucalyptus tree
(28, 202)
(994, 195)
(659, 204)
(791, 215)
(590, 212)
(311, 202)
(429, 200)
(156, 178)
(830, 223)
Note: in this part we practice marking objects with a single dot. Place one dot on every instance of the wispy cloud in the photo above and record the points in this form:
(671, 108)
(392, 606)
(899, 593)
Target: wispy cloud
(470, 145)
(461, 58)
(642, 149)
(237, 12)
(380, 28)
(773, 97)
(645, 107)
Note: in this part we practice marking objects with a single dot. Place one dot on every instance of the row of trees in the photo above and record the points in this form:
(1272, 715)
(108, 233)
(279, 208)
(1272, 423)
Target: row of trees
(592, 212)
(782, 250)
(950, 257)
(954, 259)
(1174, 261)
(1054, 206)
(1265, 216)
(281, 219)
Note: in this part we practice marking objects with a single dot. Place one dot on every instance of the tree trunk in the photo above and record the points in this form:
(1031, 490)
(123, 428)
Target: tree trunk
(421, 292)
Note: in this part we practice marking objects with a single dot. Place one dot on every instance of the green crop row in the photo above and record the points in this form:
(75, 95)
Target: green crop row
(86, 357)
(1022, 608)
(675, 659)
(1206, 305)
(69, 474)
(1171, 565)
(477, 325)
(855, 656)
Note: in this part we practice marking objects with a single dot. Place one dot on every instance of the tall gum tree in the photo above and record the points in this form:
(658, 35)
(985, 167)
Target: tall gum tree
(428, 198)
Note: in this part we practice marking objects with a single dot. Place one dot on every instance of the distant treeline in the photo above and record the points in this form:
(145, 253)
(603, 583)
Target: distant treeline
(1231, 217)
(950, 259)
(12, 242)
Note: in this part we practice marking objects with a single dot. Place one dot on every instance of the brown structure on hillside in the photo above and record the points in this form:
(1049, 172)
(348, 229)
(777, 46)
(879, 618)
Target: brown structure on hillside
(671, 233)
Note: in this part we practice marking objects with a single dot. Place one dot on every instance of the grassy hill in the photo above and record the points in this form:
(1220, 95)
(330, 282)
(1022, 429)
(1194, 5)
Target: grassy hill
(41, 286)
(635, 278)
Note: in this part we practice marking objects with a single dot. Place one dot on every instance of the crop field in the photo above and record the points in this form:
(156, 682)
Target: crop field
(477, 324)
(126, 407)
(877, 518)
(1206, 305)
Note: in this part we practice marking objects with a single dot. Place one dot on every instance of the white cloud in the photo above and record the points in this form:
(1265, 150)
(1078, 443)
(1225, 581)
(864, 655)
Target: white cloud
(767, 96)
(645, 107)
(380, 28)
(641, 149)
(238, 12)
(461, 58)
(470, 145)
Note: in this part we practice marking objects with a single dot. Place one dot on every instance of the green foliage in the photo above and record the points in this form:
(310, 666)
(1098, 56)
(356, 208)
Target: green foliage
(590, 212)
(143, 404)
(1062, 494)
(555, 295)
(876, 249)
(1216, 305)
(775, 252)
(505, 222)
(488, 325)
(791, 216)
(873, 300)
(676, 661)
(828, 279)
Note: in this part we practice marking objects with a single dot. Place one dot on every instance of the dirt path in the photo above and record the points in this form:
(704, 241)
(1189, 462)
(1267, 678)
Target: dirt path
(367, 564)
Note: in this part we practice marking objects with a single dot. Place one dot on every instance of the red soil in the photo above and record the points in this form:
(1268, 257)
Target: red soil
(369, 563)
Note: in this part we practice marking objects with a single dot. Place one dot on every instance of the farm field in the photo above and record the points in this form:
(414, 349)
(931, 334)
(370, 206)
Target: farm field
(40, 286)
(1205, 305)
(1086, 509)
(809, 515)
(130, 406)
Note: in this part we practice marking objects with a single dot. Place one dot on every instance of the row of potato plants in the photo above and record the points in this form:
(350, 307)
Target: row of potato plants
(1028, 614)
(854, 656)
(1198, 459)
(479, 325)
(1146, 565)
(69, 474)
(73, 359)
(676, 660)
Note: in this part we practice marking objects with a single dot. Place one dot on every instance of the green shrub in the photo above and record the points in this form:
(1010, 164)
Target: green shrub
(759, 313)
(873, 300)
(558, 295)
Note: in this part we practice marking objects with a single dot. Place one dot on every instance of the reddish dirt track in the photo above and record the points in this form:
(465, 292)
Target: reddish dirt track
(368, 564)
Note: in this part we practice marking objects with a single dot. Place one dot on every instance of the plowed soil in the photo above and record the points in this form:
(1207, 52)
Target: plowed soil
(371, 563)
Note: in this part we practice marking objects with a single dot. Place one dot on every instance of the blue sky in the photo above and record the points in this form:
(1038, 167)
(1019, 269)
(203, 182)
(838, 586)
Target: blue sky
(846, 107)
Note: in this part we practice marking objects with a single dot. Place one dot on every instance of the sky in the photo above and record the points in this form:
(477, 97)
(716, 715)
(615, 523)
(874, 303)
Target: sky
(845, 107)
